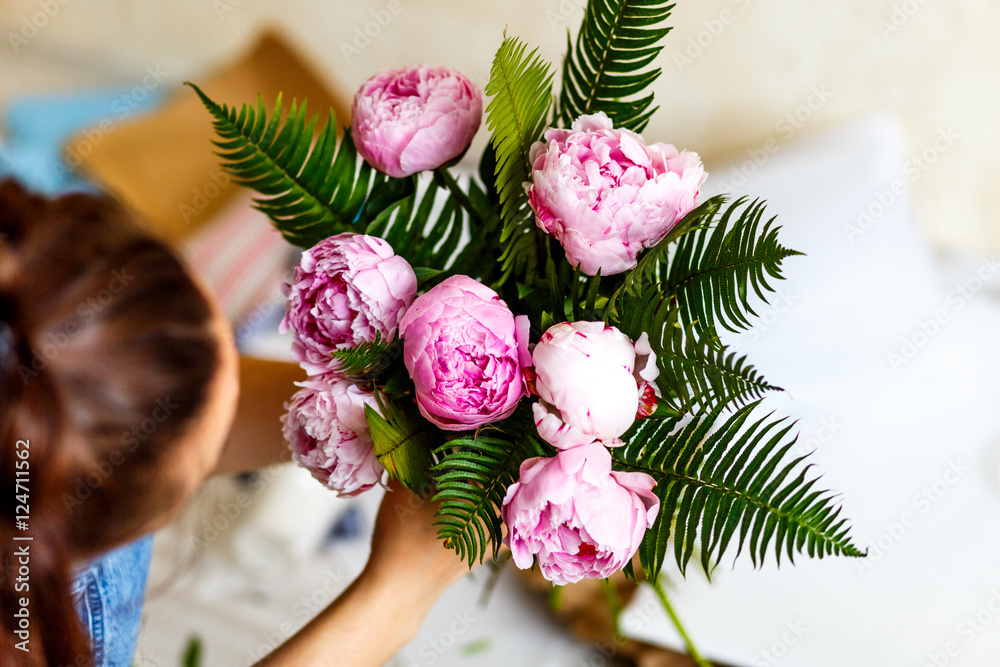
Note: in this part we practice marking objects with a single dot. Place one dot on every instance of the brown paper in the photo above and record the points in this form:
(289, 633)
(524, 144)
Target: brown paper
(163, 164)
(583, 608)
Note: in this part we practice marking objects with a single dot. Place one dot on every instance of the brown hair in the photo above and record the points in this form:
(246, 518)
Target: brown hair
(106, 355)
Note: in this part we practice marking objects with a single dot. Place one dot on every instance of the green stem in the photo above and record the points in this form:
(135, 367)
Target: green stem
(496, 569)
(613, 599)
(459, 194)
(555, 598)
(692, 651)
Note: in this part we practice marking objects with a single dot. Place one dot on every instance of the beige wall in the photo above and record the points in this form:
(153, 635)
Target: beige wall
(933, 65)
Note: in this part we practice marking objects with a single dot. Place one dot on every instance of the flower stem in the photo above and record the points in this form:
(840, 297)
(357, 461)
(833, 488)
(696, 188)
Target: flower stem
(555, 598)
(692, 651)
(496, 569)
(459, 194)
(613, 600)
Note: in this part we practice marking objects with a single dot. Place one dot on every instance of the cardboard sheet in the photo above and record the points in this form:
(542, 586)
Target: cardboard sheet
(163, 164)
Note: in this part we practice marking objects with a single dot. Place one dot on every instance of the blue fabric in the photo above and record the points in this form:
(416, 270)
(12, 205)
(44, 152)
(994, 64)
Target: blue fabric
(109, 594)
(37, 127)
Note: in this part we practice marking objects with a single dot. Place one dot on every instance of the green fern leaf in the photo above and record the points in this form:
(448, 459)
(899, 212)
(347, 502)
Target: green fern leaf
(413, 226)
(521, 90)
(484, 231)
(713, 269)
(472, 479)
(697, 373)
(730, 484)
(311, 190)
(427, 226)
(703, 375)
(647, 269)
(368, 359)
(609, 68)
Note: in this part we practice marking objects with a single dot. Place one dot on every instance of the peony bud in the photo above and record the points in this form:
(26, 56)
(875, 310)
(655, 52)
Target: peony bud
(415, 119)
(589, 379)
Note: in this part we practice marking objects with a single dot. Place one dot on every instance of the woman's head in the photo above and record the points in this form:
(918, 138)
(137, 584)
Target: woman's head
(119, 372)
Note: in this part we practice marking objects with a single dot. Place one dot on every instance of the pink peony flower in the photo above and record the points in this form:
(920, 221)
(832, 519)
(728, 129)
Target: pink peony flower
(606, 195)
(345, 290)
(464, 350)
(589, 379)
(415, 119)
(328, 435)
(578, 516)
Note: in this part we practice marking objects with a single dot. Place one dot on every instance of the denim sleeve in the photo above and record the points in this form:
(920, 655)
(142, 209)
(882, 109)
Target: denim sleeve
(109, 594)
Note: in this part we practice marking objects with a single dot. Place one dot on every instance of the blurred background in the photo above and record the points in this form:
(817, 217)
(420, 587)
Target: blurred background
(733, 70)
(869, 125)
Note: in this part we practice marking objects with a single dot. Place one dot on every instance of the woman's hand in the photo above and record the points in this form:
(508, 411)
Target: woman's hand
(383, 609)
(406, 552)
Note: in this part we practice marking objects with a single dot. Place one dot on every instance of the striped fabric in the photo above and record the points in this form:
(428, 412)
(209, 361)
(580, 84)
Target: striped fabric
(241, 257)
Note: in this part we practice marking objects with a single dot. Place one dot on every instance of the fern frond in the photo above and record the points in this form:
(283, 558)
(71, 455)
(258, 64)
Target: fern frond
(472, 480)
(609, 68)
(584, 292)
(484, 226)
(731, 484)
(427, 228)
(647, 269)
(697, 374)
(423, 228)
(713, 270)
(368, 359)
(521, 89)
(311, 190)
(703, 375)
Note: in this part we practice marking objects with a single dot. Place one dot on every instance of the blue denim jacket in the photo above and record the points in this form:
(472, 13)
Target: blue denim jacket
(109, 593)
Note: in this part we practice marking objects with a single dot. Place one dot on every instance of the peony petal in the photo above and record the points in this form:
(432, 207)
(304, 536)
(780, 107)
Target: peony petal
(576, 516)
(328, 435)
(604, 194)
(415, 119)
(461, 350)
(522, 333)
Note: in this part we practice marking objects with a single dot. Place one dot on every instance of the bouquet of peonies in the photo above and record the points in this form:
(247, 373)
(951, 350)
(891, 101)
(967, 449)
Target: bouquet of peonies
(535, 345)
